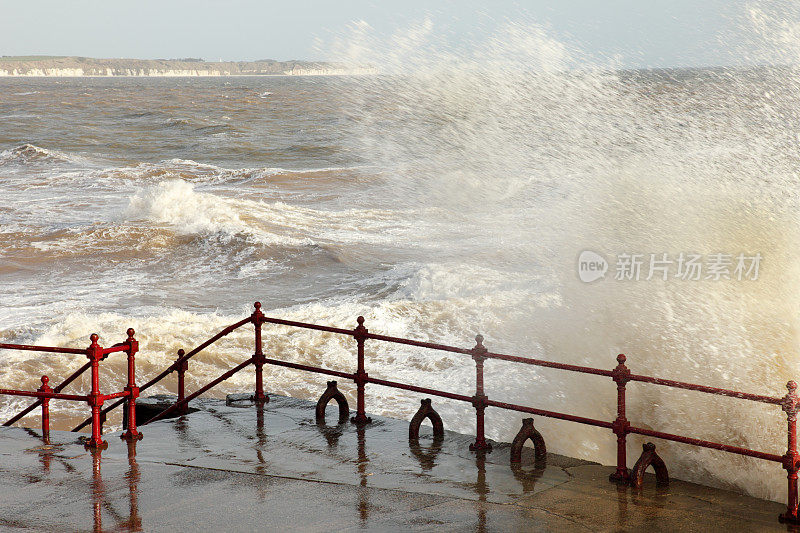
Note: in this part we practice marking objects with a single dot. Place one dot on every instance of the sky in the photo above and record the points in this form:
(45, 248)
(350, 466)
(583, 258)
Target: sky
(642, 33)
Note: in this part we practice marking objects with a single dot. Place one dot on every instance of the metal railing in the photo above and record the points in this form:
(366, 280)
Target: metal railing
(620, 426)
(95, 399)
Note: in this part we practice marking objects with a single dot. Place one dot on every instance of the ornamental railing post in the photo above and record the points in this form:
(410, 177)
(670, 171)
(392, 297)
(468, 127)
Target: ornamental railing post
(479, 400)
(95, 354)
(181, 367)
(45, 410)
(360, 377)
(790, 460)
(258, 357)
(621, 376)
(131, 432)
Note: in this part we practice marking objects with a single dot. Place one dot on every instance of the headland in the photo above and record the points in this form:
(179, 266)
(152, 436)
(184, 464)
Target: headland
(73, 66)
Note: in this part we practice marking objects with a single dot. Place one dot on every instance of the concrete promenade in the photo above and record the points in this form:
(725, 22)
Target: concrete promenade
(244, 468)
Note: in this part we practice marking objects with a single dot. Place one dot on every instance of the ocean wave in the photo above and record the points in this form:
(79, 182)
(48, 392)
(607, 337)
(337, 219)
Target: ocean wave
(30, 153)
(180, 206)
(194, 171)
(175, 203)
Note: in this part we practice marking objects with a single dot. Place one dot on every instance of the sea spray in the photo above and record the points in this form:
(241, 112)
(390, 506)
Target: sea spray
(546, 154)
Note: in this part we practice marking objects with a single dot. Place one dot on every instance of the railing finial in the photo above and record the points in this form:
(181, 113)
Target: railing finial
(131, 332)
(621, 358)
(257, 305)
(479, 349)
(94, 338)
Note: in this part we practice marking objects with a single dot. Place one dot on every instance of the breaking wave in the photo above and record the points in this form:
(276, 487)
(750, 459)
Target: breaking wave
(29, 153)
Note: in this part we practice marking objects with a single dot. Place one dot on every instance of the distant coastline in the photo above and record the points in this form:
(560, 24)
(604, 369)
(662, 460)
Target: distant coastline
(71, 66)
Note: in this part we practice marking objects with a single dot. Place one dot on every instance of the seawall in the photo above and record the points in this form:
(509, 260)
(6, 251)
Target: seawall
(243, 467)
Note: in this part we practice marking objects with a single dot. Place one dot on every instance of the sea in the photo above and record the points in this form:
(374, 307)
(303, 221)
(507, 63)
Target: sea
(449, 197)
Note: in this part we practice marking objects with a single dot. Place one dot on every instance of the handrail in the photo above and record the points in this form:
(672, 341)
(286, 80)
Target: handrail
(58, 388)
(31, 348)
(95, 353)
(200, 391)
(709, 390)
(621, 375)
(227, 330)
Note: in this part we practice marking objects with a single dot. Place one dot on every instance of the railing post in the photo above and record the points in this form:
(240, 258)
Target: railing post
(479, 400)
(790, 460)
(45, 410)
(131, 432)
(181, 367)
(258, 357)
(95, 354)
(621, 376)
(360, 377)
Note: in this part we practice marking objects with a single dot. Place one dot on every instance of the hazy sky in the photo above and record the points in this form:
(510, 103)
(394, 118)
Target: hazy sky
(640, 32)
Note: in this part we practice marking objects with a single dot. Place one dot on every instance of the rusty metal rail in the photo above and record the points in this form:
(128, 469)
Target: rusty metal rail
(95, 399)
(621, 375)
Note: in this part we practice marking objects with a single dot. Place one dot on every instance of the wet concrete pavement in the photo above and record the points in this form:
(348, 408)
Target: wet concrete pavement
(272, 468)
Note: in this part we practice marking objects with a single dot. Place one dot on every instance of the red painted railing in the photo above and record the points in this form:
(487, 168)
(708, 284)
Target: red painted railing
(95, 399)
(621, 375)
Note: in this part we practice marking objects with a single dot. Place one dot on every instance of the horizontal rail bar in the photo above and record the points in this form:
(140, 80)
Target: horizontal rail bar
(115, 395)
(305, 325)
(44, 395)
(413, 388)
(534, 362)
(116, 348)
(707, 444)
(52, 349)
(550, 364)
(421, 344)
(551, 414)
(200, 391)
(709, 390)
(58, 388)
(308, 368)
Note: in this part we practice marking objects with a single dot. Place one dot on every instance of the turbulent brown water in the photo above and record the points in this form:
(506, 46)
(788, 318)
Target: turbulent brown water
(449, 200)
